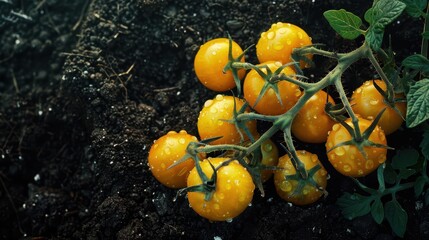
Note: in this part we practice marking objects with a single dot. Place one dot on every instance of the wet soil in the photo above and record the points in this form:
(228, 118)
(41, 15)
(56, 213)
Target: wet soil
(86, 86)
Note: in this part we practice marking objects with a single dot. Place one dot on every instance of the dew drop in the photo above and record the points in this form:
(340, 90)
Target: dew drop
(369, 164)
(339, 151)
(359, 90)
(286, 186)
(282, 30)
(278, 46)
(208, 103)
(214, 53)
(219, 97)
(271, 35)
(347, 168)
(183, 132)
(213, 110)
(288, 42)
(300, 35)
(373, 102)
(182, 141)
(268, 147)
(336, 127)
(167, 150)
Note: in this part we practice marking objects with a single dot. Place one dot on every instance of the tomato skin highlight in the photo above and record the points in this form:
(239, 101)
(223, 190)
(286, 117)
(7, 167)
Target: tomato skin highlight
(234, 190)
(269, 103)
(278, 42)
(210, 61)
(167, 150)
(347, 159)
(286, 188)
(312, 124)
(368, 102)
(211, 120)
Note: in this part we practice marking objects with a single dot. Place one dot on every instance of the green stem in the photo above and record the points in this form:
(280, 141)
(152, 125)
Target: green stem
(220, 147)
(389, 85)
(317, 51)
(424, 49)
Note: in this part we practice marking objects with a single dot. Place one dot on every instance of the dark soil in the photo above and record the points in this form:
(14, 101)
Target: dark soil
(86, 87)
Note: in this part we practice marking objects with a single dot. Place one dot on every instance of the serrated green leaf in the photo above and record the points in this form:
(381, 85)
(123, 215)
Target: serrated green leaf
(417, 62)
(385, 11)
(354, 205)
(344, 23)
(419, 186)
(374, 38)
(396, 216)
(405, 158)
(381, 14)
(418, 103)
(424, 145)
(415, 7)
(377, 211)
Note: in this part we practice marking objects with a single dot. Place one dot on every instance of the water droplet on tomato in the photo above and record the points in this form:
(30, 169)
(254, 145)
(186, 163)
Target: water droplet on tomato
(369, 164)
(219, 97)
(347, 168)
(339, 151)
(286, 186)
(278, 46)
(208, 103)
(271, 35)
(373, 102)
(268, 147)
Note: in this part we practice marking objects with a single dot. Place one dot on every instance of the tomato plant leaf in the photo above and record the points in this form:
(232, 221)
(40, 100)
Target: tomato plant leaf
(415, 7)
(418, 103)
(417, 62)
(379, 16)
(424, 145)
(419, 186)
(377, 210)
(405, 158)
(396, 216)
(390, 175)
(385, 11)
(369, 15)
(344, 23)
(354, 205)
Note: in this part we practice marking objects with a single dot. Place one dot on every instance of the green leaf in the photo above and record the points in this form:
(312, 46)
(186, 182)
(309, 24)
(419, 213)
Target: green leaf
(405, 158)
(354, 205)
(379, 16)
(415, 7)
(344, 23)
(417, 62)
(389, 174)
(418, 103)
(424, 145)
(396, 216)
(374, 38)
(419, 186)
(385, 11)
(369, 15)
(377, 211)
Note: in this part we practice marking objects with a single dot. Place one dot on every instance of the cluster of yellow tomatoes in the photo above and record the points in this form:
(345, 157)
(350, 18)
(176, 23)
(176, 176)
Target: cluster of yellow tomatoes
(233, 184)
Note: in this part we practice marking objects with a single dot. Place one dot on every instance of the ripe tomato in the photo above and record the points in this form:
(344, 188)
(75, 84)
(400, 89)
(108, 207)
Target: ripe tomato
(210, 60)
(277, 43)
(348, 160)
(368, 102)
(211, 121)
(166, 151)
(312, 124)
(269, 104)
(286, 188)
(233, 192)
